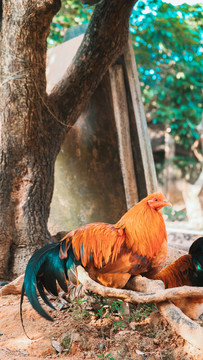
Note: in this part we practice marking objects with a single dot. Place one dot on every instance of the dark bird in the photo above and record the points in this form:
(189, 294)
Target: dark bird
(187, 270)
(136, 244)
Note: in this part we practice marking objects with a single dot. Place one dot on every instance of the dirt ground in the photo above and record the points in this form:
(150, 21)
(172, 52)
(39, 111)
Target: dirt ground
(88, 331)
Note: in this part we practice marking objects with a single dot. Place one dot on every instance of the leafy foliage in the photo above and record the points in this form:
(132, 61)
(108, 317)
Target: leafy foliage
(166, 42)
(173, 215)
(107, 356)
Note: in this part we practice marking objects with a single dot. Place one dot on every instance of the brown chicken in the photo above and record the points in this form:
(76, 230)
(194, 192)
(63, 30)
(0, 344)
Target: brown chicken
(187, 270)
(136, 244)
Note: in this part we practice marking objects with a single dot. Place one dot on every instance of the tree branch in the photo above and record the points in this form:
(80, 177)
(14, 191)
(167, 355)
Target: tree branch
(103, 42)
(134, 297)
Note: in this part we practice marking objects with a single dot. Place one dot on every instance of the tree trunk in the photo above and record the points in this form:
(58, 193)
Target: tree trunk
(26, 157)
(33, 124)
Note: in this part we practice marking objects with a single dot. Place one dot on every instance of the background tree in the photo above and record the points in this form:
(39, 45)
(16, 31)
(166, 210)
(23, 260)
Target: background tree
(33, 124)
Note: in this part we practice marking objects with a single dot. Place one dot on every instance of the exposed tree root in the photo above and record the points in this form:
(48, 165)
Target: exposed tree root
(14, 287)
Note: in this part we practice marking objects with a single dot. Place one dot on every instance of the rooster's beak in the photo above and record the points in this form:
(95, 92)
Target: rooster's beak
(167, 203)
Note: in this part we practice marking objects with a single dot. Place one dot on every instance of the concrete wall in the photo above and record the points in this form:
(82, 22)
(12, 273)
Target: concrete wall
(88, 179)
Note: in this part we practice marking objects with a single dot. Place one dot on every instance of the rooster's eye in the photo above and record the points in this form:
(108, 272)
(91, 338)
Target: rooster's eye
(155, 199)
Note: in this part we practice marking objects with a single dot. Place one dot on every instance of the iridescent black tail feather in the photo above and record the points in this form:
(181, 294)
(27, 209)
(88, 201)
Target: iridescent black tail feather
(44, 270)
(196, 251)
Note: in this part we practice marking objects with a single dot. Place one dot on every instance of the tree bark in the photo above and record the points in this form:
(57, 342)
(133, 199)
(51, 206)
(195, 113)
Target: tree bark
(26, 157)
(34, 124)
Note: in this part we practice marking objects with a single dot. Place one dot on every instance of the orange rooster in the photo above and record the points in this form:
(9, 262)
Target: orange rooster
(136, 244)
(187, 270)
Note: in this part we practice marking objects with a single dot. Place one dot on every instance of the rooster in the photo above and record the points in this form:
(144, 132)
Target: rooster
(187, 270)
(136, 244)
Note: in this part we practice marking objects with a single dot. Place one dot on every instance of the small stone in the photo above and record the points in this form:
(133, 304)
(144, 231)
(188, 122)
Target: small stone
(132, 326)
(23, 352)
(75, 337)
(126, 308)
(56, 345)
(138, 352)
(101, 346)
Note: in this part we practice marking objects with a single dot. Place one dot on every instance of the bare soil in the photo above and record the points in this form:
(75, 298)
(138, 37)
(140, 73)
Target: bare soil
(89, 330)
